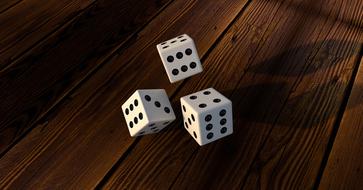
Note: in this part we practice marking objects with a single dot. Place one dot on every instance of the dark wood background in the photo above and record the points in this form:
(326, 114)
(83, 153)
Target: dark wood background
(292, 68)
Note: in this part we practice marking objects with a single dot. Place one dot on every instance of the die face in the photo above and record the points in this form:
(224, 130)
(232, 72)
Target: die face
(216, 123)
(207, 99)
(191, 121)
(175, 42)
(148, 111)
(135, 114)
(157, 105)
(180, 58)
(152, 128)
(213, 121)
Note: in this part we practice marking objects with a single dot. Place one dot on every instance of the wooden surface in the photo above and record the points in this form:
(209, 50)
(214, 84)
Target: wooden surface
(345, 165)
(64, 61)
(290, 67)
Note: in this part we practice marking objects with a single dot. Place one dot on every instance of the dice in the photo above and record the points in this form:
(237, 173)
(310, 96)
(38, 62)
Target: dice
(207, 115)
(147, 111)
(180, 58)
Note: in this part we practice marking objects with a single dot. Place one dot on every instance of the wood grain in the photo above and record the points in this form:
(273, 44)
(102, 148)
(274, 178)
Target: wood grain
(44, 76)
(344, 168)
(88, 125)
(286, 71)
(28, 22)
(7, 4)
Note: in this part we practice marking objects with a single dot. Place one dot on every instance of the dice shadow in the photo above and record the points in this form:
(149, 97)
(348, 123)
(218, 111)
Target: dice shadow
(310, 10)
(294, 62)
(270, 103)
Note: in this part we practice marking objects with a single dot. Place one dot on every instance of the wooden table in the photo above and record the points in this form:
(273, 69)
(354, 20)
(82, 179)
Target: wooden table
(292, 68)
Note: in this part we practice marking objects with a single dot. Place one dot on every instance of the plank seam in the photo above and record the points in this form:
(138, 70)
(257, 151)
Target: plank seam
(113, 169)
(297, 81)
(47, 36)
(123, 157)
(10, 6)
(181, 171)
(219, 39)
(83, 80)
(338, 120)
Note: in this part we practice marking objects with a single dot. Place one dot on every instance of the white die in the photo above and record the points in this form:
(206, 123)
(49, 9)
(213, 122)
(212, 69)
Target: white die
(180, 58)
(207, 115)
(147, 111)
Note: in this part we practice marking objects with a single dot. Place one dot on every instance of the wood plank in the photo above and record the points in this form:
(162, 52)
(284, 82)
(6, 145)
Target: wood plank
(345, 164)
(74, 52)
(6, 4)
(286, 71)
(86, 136)
(30, 21)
